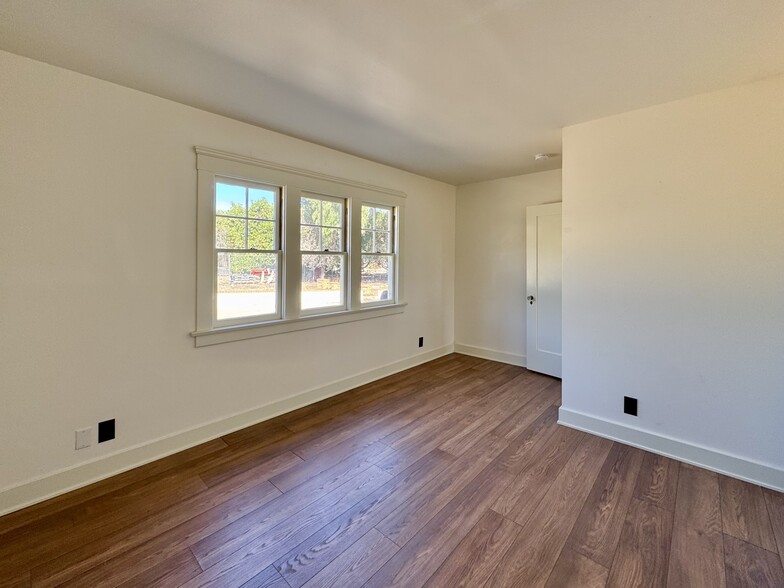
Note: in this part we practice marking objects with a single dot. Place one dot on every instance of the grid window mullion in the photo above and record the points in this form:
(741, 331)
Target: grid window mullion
(247, 215)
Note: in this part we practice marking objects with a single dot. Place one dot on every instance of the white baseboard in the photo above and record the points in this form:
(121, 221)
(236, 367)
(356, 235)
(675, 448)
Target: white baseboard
(710, 459)
(491, 354)
(51, 485)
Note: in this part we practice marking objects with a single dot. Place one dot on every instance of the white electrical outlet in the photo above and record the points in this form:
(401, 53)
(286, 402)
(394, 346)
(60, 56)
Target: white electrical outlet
(84, 438)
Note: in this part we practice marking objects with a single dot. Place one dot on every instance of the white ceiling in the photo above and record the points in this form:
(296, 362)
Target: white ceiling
(458, 90)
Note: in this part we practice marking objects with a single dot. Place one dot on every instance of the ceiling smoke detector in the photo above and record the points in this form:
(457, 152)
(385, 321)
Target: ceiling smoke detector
(545, 156)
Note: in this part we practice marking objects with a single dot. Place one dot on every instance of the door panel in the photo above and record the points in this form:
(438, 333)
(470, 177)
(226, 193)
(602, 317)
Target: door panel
(543, 285)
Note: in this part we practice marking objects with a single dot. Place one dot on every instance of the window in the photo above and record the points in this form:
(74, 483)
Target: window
(247, 251)
(378, 246)
(282, 249)
(323, 246)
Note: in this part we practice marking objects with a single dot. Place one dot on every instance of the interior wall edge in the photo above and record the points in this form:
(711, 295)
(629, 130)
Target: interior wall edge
(491, 354)
(48, 486)
(704, 457)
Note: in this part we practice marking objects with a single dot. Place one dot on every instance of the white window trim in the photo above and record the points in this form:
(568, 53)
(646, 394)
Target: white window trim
(212, 163)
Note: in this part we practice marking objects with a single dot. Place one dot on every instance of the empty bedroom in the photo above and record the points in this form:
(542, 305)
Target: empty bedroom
(300, 294)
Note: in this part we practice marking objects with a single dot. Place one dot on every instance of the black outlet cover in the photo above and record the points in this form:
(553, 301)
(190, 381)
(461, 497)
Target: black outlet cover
(105, 431)
(421, 341)
(630, 405)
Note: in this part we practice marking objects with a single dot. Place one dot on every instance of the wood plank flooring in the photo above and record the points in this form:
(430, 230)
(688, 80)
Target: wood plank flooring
(453, 473)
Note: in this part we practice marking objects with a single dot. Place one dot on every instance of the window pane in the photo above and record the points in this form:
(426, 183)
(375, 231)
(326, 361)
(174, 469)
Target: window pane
(309, 238)
(247, 285)
(322, 281)
(310, 211)
(229, 199)
(382, 242)
(331, 214)
(229, 233)
(367, 217)
(383, 219)
(367, 242)
(261, 203)
(261, 234)
(331, 239)
(376, 278)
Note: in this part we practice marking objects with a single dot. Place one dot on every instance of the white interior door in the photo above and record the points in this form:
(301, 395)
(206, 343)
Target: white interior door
(543, 288)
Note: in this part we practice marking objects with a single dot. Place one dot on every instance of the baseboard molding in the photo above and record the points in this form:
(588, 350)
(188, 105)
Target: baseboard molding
(491, 354)
(51, 485)
(710, 459)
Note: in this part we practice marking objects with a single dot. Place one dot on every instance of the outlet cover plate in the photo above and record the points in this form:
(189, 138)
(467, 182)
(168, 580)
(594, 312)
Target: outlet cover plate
(84, 438)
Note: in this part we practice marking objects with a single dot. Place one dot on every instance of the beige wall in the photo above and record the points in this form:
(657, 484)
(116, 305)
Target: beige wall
(97, 250)
(490, 262)
(674, 278)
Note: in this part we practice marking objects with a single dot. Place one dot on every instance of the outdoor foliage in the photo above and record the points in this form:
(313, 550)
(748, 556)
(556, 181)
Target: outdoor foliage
(321, 229)
(247, 222)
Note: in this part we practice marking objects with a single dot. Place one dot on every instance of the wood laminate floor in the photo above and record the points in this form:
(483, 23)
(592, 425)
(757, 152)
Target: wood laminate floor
(453, 473)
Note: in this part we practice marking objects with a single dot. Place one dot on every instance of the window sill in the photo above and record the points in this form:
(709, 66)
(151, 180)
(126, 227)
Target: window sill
(276, 327)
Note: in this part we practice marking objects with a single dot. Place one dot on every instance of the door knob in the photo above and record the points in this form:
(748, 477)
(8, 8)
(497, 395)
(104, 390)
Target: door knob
(530, 299)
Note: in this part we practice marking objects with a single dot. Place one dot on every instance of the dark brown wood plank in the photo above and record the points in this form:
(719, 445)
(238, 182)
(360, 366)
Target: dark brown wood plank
(744, 514)
(530, 442)
(221, 541)
(504, 398)
(101, 518)
(574, 569)
(535, 476)
(644, 548)
(510, 397)
(354, 566)
(475, 558)
(470, 390)
(300, 473)
(496, 398)
(266, 432)
(775, 503)
(658, 481)
(433, 430)
(749, 566)
(151, 542)
(598, 528)
(227, 547)
(374, 423)
(256, 469)
(175, 570)
(402, 524)
(364, 400)
(544, 392)
(697, 552)
(418, 559)
(351, 428)
(383, 392)
(15, 580)
(147, 528)
(267, 578)
(264, 545)
(463, 361)
(533, 555)
(317, 551)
